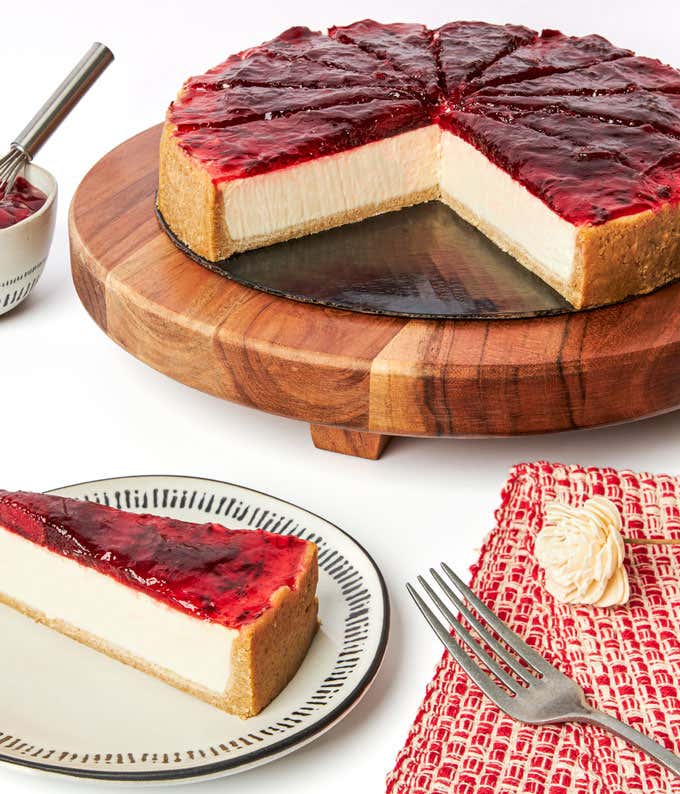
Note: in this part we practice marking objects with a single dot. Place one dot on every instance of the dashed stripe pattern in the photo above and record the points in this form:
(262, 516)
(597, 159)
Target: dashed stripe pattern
(352, 585)
(16, 289)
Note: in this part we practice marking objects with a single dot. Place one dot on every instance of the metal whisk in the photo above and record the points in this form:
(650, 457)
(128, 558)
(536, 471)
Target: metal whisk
(29, 141)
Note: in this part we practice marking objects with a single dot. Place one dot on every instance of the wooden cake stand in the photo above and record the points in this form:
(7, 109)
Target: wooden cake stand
(358, 379)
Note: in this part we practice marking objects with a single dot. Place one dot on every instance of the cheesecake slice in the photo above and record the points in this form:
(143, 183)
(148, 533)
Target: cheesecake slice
(225, 615)
(561, 149)
(406, 46)
(466, 49)
(592, 225)
(550, 53)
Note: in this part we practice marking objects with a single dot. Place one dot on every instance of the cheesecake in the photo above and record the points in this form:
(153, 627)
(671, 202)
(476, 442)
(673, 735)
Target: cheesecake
(562, 150)
(226, 615)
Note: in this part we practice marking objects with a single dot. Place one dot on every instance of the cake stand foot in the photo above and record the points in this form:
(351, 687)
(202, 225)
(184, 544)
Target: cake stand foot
(349, 442)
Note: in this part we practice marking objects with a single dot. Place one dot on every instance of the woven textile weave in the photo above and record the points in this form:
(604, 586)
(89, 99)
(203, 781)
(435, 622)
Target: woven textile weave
(627, 658)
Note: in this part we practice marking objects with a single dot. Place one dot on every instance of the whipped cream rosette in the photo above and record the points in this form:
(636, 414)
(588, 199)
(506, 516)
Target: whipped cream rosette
(582, 552)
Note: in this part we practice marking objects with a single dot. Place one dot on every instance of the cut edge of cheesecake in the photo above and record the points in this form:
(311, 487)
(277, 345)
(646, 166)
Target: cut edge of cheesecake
(264, 656)
(613, 262)
(590, 265)
(208, 217)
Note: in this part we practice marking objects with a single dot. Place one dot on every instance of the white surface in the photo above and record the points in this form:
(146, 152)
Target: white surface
(67, 591)
(76, 407)
(500, 201)
(372, 174)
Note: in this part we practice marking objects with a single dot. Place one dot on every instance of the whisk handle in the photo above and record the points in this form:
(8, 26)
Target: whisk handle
(63, 100)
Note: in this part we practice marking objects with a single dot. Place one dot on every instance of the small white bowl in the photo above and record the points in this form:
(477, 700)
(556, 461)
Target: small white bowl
(24, 246)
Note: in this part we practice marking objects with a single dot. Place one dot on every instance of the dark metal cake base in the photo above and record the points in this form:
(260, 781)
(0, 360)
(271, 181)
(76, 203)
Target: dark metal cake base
(422, 261)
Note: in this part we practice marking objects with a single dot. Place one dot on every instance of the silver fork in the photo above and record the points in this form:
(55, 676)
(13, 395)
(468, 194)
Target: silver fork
(534, 692)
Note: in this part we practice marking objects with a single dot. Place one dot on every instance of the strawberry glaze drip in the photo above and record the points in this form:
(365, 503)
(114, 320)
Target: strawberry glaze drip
(589, 128)
(223, 575)
(23, 201)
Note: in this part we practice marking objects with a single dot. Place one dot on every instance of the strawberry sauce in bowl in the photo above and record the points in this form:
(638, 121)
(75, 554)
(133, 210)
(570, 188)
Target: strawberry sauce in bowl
(27, 216)
(20, 203)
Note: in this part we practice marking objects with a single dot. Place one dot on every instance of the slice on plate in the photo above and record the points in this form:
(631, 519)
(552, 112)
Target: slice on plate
(225, 615)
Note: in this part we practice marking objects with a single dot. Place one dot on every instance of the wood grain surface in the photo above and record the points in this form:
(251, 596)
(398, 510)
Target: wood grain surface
(343, 371)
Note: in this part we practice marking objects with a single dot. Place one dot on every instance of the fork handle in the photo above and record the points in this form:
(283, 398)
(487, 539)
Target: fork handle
(63, 100)
(647, 745)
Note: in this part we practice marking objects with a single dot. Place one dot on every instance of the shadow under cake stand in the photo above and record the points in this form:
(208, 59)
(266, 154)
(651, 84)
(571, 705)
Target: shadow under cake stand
(447, 336)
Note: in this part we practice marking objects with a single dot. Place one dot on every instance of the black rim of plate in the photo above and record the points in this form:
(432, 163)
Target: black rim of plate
(300, 738)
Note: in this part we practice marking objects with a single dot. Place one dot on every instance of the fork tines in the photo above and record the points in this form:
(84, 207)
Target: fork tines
(512, 673)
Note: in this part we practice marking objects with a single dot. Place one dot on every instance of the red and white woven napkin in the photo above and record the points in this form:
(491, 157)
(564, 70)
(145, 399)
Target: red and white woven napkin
(627, 658)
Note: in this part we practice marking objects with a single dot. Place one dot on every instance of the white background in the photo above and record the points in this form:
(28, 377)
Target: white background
(76, 407)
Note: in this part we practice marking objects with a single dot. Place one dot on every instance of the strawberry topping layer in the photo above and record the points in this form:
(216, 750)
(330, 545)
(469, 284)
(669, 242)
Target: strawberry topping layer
(20, 203)
(223, 575)
(588, 127)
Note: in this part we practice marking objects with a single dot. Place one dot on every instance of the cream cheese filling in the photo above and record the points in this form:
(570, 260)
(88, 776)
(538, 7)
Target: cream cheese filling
(64, 590)
(366, 176)
(493, 196)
